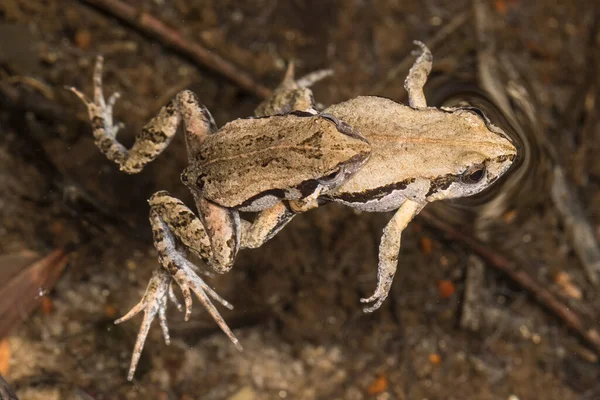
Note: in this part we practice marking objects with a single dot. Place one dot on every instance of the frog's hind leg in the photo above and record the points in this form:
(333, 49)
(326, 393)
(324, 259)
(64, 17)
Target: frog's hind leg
(417, 76)
(155, 135)
(152, 303)
(171, 220)
(169, 214)
(292, 94)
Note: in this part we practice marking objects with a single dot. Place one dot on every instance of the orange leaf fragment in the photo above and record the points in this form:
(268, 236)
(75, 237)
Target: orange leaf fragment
(501, 6)
(567, 286)
(110, 311)
(83, 39)
(446, 288)
(379, 385)
(4, 356)
(510, 216)
(426, 245)
(435, 358)
(47, 305)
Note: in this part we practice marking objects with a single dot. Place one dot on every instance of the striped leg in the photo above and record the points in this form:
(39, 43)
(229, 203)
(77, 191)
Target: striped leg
(175, 265)
(417, 76)
(173, 221)
(155, 135)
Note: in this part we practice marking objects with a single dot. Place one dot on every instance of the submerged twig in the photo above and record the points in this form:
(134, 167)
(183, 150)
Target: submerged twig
(152, 26)
(522, 278)
(6, 393)
(564, 195)
(473, 295)
(575, 221)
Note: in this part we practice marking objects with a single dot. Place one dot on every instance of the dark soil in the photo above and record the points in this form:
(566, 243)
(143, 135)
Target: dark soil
(297, 310)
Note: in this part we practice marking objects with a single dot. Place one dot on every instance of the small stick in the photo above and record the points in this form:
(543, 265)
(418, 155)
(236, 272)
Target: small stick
(520, 277)
(576, 223)
(472, 307)
(169, 37)
(6, 393)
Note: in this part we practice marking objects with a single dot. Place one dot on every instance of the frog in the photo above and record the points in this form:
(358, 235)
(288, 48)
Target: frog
(276, 164)
(419, 154)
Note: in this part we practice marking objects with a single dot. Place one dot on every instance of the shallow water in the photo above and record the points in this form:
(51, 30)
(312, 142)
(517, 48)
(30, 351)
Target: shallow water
(518, 187)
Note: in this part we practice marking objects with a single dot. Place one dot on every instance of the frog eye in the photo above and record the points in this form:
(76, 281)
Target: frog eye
(474, 174)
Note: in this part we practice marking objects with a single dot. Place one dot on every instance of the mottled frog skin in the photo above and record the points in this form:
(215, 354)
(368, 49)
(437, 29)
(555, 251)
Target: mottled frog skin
(421, 154)
(242, 167)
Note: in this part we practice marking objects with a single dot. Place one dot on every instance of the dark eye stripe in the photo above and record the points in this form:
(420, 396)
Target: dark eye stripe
(479, 112)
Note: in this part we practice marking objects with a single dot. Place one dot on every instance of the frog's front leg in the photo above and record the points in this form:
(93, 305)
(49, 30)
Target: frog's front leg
(389, 248)
(266, 225)
(417, 76)
(155, 135)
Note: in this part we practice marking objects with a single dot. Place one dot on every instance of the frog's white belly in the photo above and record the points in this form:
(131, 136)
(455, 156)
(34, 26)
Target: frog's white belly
(260, 203)
(389, 202)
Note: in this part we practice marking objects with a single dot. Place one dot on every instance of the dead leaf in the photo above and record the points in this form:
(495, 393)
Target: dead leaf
(24, 279)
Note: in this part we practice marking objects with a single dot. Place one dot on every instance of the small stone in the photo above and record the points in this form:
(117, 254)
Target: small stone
(83, 39)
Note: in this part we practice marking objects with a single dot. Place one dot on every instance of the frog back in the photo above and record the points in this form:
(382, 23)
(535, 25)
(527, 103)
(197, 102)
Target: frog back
(414, 151)
(282, 156)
